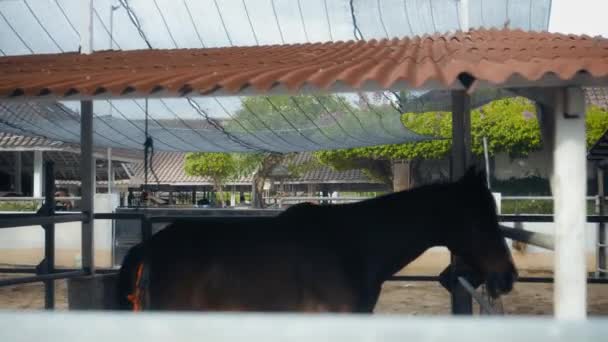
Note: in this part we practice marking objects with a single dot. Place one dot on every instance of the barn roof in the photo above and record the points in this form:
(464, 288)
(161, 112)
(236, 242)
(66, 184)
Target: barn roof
(454, 60)
(169, 167)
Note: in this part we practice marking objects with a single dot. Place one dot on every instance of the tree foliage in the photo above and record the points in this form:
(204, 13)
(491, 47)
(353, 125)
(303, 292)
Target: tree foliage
(215, 165)
(510, 126)
(597, 124)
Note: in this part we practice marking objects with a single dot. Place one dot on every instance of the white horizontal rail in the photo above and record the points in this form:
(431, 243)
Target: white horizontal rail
(117, 327)
(314, 198)
(12, 199)
(537, 239)
(511, 198)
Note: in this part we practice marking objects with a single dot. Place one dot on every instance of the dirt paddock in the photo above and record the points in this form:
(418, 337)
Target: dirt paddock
(411, 298)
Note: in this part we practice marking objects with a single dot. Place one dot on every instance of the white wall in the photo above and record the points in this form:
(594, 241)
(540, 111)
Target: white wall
(67, 236)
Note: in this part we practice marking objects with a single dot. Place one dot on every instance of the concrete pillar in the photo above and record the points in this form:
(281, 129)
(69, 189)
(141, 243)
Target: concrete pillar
(38, 174)
(569, 187)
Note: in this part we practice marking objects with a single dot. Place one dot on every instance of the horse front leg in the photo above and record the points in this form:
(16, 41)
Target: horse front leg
(368, 297)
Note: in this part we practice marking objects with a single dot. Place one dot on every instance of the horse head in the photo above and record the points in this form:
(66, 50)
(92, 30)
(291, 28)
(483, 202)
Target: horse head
(478, 240)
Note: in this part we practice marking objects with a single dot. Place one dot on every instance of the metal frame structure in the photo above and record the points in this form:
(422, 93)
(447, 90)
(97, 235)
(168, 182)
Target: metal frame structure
(46, 272)
(561, 111)
(561, 117)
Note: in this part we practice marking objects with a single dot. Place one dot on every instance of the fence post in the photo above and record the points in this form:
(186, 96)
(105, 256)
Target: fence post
(146, 229)
(462, 302)
(601, 227)
(87, 173)
(49, 235)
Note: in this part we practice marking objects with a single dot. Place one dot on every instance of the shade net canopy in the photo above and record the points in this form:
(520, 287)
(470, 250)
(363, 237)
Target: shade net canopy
(240, 123)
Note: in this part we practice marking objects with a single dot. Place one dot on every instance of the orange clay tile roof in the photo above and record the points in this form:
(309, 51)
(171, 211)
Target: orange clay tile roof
(487, 55)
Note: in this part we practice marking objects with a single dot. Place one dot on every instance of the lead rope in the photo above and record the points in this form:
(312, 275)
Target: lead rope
(148, 157)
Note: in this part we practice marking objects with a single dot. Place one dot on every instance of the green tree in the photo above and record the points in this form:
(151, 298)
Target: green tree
(509, 124)
(218, 166)
(264, 118)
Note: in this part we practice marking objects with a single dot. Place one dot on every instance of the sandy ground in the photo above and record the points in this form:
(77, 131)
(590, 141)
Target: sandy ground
(413, 298)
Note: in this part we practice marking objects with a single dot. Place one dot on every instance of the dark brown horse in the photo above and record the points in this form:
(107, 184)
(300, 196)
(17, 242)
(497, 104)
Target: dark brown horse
(316, 258)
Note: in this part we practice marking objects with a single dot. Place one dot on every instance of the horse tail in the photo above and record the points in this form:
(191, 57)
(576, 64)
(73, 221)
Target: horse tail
(128, 275)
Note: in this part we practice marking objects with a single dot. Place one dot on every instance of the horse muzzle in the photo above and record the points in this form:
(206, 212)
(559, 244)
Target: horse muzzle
(497, 283)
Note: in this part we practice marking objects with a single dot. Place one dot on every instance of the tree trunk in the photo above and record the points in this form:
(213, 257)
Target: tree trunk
(406, 174)
(221, 196)
(269, 162)
(401, 175)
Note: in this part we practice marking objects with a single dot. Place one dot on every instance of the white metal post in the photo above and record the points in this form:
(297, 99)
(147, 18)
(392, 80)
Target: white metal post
(87, 174)
(110, 171)
(86, 29)
(463, 9)
(569, 185)
(37, 174)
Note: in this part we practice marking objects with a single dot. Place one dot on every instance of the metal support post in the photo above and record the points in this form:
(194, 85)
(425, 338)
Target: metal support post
(87, 174)
(49, 235)
(110, 171)
(146, 229)
(601, 227)
(38, 178)
(460, 160)
(569, 186)
(18, 171)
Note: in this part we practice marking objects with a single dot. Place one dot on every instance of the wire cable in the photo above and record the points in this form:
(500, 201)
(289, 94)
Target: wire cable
(29, 8)
(530, 17)
(266, 125)
(240, 124)
(16, 33)
(76, 118)
(162, 17)
(134, 125)
(331, 37)
(217, 7)
(198, 34)
(409, 20)
(136, 103)
(255, 36)
(65, 16)
(275, 108)
(350, 111)
(336, 120)
(302, 20)
(42, 115)
(364, 99)
(433, 16)
(356, 31)
(22, 118)
(105, 28)
(156, 121)
(219, 126)
(276, 18)
(381, 17)
(295, 102)
(219, 147)
(135, 21)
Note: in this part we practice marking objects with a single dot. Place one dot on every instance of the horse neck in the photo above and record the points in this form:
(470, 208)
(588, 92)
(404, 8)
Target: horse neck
(398, 228)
